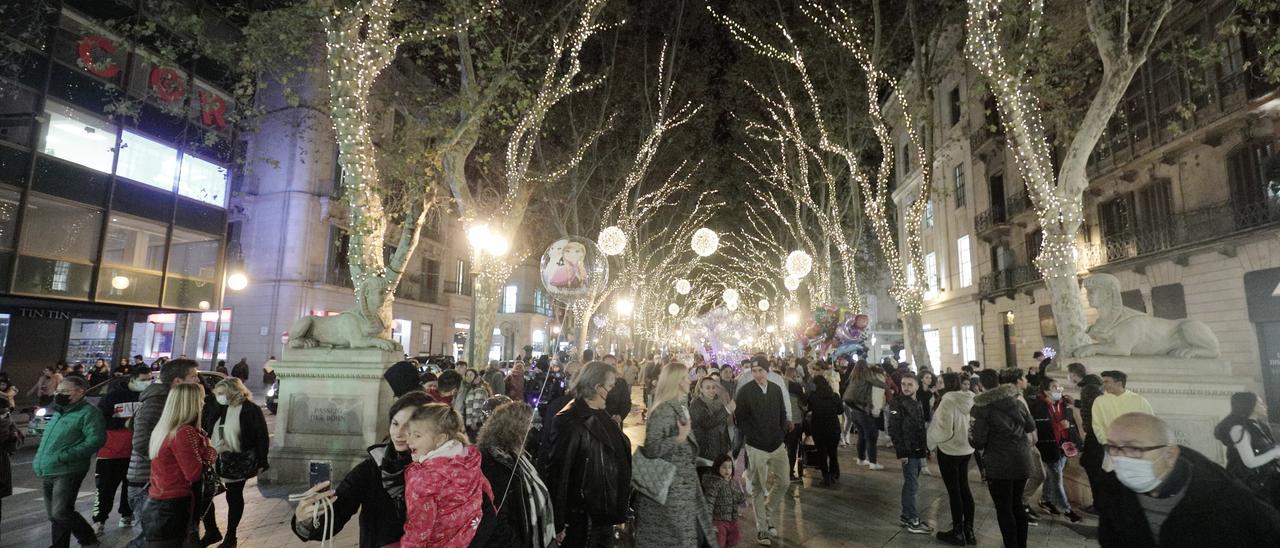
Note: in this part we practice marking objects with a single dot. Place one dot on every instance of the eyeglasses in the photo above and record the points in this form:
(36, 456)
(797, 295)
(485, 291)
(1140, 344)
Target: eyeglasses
(1129, 451)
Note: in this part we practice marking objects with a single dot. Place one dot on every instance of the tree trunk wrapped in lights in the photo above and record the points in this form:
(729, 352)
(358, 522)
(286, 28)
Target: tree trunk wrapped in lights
(874, 182)
(1002, 46)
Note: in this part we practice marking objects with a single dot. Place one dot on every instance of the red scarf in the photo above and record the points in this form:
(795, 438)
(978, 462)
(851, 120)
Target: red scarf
(1056, 409)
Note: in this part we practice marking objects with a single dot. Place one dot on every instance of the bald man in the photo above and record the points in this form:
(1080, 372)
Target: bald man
(1164, 494)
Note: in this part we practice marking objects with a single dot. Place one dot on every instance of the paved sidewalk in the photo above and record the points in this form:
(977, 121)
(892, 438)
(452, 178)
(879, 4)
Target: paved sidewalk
(862, 511)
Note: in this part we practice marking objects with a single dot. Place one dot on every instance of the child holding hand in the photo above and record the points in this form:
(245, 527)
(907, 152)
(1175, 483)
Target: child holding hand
(445, 489)
(720, 485)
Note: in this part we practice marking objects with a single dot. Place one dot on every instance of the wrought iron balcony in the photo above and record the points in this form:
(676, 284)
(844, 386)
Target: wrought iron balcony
(992, 223)
(1018, 204)
(1184, 229)
(1003, 282)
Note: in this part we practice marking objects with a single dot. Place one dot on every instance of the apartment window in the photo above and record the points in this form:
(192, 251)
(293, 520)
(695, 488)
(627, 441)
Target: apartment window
(79, 137)
(509, 295)
(963, 261)
(928, 214)
(1034, 242)
(957, 175)
(955, 340)
(1155, 208)
(338, 271)
(955, 105)
(1246, 171)
(431, 275)
(906, 160)
(147, 161)
(968, 343)
(931, 270)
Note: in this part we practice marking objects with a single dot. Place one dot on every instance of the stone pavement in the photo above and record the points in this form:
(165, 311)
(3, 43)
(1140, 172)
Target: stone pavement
(861, 511)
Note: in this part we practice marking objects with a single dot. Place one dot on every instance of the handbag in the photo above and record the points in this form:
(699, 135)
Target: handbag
(237, 465)
(208, 486)
(652, 477)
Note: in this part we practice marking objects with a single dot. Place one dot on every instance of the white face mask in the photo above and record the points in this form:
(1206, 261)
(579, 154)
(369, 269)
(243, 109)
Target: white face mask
(1055, 396)
(222, 400)
(1137, 474)
(138, 386)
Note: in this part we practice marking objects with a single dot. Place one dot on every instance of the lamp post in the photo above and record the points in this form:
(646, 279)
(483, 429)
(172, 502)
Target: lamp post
(484, 241)
(235, 280)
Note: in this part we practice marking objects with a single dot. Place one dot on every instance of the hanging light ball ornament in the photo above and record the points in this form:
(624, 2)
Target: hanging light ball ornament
(612, 241)
(673, 309)
(731, 305)
(799, 264)
(705, 241)
(763, 305)
(683, 286)
(792, 283)
(730, 295)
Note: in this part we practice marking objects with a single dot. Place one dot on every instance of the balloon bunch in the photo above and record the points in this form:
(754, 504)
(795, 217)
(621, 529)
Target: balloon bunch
(835, 332)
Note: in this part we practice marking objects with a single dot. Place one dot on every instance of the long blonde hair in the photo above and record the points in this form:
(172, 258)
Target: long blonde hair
(668, 387)
(182, 407)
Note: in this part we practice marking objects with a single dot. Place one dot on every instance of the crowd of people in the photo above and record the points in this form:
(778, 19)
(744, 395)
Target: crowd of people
(535, 456)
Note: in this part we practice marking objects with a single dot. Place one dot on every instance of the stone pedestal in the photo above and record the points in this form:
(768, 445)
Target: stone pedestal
(333, 406)
(1192, 395)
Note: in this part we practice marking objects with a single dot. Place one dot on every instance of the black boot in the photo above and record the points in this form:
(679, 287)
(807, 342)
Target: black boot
(954, 537)
(969, 537)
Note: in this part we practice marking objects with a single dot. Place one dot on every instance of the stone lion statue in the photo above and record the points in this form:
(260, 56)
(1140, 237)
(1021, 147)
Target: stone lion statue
(358, 327)
(1123, 331)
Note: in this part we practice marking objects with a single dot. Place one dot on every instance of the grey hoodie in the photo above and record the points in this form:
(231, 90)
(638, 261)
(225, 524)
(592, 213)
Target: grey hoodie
(145, 417)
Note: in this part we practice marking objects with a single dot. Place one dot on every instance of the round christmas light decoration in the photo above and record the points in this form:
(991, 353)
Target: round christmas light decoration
(792, 283)
(120, 282)
(731, 305)
(730, 295)
(673, 309)
(799, 264)
(612, 241)
(705, 241)
(683, 286)
(763, 305)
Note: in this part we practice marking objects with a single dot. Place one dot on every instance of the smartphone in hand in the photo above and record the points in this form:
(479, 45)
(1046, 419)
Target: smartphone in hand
(320, 472)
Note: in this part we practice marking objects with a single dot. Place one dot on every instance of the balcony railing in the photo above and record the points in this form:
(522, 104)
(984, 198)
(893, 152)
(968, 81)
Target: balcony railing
(531, 309)
(1005, 281)
(1018, 204)
(1183, 229)
(990, 220)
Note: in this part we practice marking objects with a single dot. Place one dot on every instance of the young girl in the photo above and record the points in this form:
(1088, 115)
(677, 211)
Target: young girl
(445, 489)
(722, 492)
(179, 451)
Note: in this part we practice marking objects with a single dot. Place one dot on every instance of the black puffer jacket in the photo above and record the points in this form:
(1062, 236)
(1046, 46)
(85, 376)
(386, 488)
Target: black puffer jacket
(907, 427)
(590, 466)
(1000, 428)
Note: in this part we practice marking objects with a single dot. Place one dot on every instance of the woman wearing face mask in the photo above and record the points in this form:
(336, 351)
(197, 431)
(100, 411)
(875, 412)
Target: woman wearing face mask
(1253, 456)
(240, 436)
(113, 459)
(1055, 429)
(711, 420)
(374, 488)
(470, 401)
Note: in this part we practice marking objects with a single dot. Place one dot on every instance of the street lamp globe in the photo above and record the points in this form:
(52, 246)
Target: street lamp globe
(484, 239)
(612, 241)
(799, 264)
(235, 282)
(683, 286)
(704, 242)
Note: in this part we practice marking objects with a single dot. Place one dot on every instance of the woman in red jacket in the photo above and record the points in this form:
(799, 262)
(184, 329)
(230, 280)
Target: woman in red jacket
(444, 489)
(179, 452)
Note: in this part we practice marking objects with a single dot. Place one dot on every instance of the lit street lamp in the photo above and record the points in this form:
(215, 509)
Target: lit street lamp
(484, 241)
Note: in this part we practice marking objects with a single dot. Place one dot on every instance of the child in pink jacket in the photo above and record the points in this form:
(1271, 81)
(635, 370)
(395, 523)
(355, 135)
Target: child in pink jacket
(444, 487)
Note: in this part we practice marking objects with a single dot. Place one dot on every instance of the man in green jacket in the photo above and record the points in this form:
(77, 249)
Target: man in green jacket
(76, 431)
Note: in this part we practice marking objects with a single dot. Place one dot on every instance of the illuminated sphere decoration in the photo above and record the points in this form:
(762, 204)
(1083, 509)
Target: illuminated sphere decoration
(705, 241)
(683, 286)
(792, 283)
(612, 241)
(730, 295)
(799, 264)
(673, 309)
(763, 305)
(732, 305)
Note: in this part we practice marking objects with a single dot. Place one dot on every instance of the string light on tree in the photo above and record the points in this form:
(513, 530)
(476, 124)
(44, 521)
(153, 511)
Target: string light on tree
(799, 264)
(792, 283)
(730, 295)
(683, 286)
(612, 241)
(673, 309)
(704, 242)
(763, 305)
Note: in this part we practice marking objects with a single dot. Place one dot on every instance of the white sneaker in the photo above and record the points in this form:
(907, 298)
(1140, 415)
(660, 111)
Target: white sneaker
(126, 521)
(863, 462)
(99, 528)
(875, 466)
(773, 532)
(925, 470)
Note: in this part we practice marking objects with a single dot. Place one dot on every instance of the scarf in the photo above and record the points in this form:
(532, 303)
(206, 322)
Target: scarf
(539, 518)
(391, 465)
(226, 438)
(1060, 433)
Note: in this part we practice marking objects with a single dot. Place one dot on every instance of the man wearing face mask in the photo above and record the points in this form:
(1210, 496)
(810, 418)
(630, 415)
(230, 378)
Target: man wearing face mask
(113, 459)
(74, 434)
(1164, 494)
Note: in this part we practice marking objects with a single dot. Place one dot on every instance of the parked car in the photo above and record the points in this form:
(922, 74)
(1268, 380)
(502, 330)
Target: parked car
(41, 415)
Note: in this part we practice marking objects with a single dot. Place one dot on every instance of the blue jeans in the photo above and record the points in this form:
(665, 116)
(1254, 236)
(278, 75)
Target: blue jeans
(60, 505)
(1054, 491)
(910, 485)
(138, 501)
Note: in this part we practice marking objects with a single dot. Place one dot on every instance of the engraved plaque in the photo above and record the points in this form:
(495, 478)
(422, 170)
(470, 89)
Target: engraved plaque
(325, 415)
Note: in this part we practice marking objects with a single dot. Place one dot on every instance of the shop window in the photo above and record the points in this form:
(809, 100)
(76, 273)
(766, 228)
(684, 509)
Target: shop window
(147, 161)
(77, 136)
(193, 270)
(203, 180)
(210, 327)
(157, 335)
(58, 248)
(90, 340)
(132, 261)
